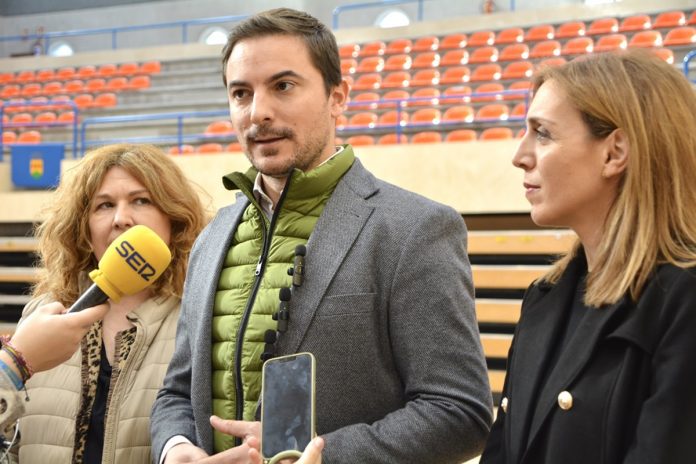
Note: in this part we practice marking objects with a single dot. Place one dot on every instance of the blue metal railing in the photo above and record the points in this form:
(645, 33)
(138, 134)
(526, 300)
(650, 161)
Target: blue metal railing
(687, 60)
(49, 104)
(115, 31)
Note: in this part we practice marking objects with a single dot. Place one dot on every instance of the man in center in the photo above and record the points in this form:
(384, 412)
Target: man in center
(386, 303)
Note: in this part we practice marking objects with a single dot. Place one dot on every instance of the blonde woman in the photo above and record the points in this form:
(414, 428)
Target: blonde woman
(95, 407)
(603, 363)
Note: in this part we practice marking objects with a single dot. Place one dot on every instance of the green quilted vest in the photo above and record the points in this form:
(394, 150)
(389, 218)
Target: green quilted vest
(254, 270)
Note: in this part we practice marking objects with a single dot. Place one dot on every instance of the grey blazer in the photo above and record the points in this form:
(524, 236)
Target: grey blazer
(386, 308)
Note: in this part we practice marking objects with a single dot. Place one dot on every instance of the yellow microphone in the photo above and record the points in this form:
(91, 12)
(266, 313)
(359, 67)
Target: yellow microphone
(133, 261)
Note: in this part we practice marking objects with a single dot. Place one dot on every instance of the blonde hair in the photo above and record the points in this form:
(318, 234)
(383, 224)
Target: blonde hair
(653, 218)
(65, 252)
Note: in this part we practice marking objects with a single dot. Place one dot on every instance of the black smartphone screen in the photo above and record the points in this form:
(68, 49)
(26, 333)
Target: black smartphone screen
(286, 420)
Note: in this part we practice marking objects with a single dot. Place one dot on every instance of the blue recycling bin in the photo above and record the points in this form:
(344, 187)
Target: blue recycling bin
(36, 166)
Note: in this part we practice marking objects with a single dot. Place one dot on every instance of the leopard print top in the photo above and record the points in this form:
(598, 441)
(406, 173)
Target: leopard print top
(91, 359)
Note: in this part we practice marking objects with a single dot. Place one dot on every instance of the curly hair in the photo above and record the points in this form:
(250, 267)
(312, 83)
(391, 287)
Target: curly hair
(65, 253)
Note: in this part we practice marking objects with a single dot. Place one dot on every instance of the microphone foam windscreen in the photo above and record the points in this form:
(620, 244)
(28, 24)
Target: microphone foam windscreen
(133, 261)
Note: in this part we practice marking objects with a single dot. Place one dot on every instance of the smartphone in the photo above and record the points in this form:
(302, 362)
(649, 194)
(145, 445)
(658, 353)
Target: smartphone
(287, 405)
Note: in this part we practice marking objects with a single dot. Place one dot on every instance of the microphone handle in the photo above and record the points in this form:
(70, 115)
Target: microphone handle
(92, 297)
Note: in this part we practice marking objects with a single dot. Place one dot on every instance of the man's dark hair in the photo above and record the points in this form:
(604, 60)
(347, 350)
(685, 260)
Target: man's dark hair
(320, 41)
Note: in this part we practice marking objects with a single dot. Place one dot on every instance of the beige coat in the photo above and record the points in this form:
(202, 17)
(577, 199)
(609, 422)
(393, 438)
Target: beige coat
(48, 426)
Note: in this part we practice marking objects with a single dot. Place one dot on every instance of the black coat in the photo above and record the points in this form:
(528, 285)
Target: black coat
(630, 369)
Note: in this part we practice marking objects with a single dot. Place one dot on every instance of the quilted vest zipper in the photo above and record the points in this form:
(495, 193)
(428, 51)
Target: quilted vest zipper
(260, 267)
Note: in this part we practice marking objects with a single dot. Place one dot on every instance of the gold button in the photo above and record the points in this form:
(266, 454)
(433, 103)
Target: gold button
(565, 400)
(504, 404)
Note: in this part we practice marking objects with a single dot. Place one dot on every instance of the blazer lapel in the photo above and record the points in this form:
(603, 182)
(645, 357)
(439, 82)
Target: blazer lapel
(337, 229)
(576, 354)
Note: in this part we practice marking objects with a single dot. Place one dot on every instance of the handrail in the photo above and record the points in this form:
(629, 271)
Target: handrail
(687, 59)
(178, 116)
(48, 103)
(114, 31)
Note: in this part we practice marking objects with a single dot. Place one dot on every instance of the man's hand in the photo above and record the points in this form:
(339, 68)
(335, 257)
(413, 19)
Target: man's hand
(240, 429)
(311, 455)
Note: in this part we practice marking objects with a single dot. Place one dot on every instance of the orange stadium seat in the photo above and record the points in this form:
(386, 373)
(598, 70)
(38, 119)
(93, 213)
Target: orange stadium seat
(638, 22)
(393, 118)
(211, 147)
(669, 19)
(150, 67)
(556, 61)
(487, 72)
(6, 77)
(105, 100)
(519, 111)
(31, 90)
(139, 82)
(128, 69)
(490, 91)
(41, 107)
(570, 29)
(66, 117)
(393, 97)
(603, 26)
(493, 112)
(425, 44)
(74, 86)
(376, 47)
(454, 41)
(496, 133)
(398, 62)
(392, 139)
(29, 137)
(66, 73)
(116, 84)
(456, 94)
(107, 70)
(370, 81)
(692, 18)
(398, 46)
(519, 90)
(458, 114)
(425, 117)
(513, 52)
(350, 50)
(57, 101)
(369, 99)
(455, 58)
(666, 54)
(44, 75)
(370, 64)
(53, 88)
(510, 35)
(396, 79)
(16, 108)
(8, 137)
(95, 85)
(46, 117)
(518, 70)
(365, 119)
(426, 137)
(540, 32)
(361, 140)
(681, 36)
(181, 150)
(578, 46)
(646, 39)
(237, 147)
(545, 49)
(87, 72)
(481, 39)
(484, 55)
(219, 128)
(25, 76)
(426, 60)
(348, 65)
(611, 42)
(428, 96)
(9, 91)
(83, 100)
(426, 77)
(461, 135)
(456, 75)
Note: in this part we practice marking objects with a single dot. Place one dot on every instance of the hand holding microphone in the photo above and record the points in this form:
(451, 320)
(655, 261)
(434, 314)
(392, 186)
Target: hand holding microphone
(133, 261)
